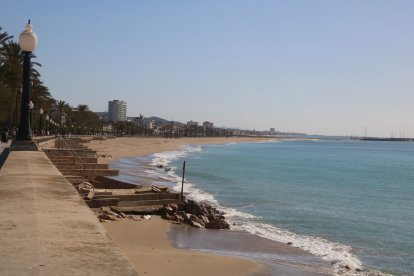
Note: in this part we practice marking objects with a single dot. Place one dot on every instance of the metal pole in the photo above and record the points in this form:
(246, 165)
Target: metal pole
(182, 183)
(25, 131)
(40, 124)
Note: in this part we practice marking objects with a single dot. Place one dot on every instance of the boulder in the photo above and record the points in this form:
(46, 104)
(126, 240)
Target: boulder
(196, 224)
(90, 195)
(85, 187)
(167, 216)
(107, 217)
(107, 210)
(218, 224)
(174, 207)
(193, 207)
(167, 210)
(203, 218)
(178, 218)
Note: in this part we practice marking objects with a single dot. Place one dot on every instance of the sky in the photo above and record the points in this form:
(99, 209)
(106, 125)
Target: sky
(320, 67)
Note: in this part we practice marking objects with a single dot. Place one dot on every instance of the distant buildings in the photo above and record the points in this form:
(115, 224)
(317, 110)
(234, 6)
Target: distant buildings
(102, 115)
(117, 111)
(192, 124)
(207, 125)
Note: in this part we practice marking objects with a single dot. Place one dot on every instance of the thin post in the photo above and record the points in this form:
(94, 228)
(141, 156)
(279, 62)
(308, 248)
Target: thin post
(182, 183)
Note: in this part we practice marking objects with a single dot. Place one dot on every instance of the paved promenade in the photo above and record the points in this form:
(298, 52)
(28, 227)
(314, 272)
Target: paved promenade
(46, 228)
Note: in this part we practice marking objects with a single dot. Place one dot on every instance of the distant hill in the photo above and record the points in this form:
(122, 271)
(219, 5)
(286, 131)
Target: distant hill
(162, 121)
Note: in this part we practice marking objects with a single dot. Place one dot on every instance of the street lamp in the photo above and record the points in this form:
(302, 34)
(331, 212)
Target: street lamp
(27, 42)
(31, 106)
(41, 120)
(47, 124)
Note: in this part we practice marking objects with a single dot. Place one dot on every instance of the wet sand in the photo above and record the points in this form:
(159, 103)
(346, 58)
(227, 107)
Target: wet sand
(151, 252)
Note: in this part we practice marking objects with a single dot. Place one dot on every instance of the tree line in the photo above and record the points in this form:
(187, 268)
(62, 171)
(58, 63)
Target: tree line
(62, 118)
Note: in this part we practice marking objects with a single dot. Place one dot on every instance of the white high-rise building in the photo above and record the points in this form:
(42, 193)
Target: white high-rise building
(117, 111)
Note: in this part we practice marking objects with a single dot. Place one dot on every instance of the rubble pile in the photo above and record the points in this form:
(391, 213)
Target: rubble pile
(198, 215)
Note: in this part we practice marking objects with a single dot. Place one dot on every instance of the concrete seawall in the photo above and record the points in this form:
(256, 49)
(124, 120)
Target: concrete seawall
(46, 228)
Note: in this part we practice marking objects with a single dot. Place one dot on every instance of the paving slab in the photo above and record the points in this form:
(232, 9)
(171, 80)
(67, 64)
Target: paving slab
(46, 228)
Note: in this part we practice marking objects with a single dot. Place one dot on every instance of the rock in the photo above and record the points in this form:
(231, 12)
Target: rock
(187, 217)
(192, 217)
(167, 216)
(212, 217)
(193, 208)
(85, 187)
(90, 195)
(195, 214)
(178, 218)
(107, 217)
(122, 215)
(167, 210)
(181, 213)
(290, 243)
(218, 224)
(109, 211)
(196, 224)
(204, 219)
(174, 207)
(155, 189)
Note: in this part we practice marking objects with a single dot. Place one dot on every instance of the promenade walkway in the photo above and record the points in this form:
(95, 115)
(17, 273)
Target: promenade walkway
(45, 227)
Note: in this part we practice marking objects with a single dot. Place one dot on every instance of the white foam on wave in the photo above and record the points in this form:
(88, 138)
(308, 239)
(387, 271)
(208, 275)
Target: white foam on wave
(338, 254)
(164, 158)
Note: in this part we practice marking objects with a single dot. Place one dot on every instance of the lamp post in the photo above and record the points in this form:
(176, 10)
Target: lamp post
(31, 106)
(47, 124)
(27, 42)
(41, 120)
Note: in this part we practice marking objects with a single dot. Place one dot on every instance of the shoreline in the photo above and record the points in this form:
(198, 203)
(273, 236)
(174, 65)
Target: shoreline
(145, 146)
(168, 235)
(151, 252)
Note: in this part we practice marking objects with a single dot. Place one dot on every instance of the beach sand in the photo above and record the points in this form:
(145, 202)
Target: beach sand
(146, 243)
(150, 251)
(144, 146)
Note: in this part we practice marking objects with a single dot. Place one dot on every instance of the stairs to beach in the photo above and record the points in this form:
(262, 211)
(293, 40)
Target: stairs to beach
(79, 165)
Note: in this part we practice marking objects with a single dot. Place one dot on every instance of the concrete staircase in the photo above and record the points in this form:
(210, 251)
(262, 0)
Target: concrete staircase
(138, 202)
(79, 164)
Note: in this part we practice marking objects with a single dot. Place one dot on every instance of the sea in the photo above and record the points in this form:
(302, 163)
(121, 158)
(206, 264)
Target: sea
(349, 203)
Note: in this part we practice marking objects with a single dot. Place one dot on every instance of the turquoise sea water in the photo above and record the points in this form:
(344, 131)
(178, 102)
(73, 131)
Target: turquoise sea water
(349, 202)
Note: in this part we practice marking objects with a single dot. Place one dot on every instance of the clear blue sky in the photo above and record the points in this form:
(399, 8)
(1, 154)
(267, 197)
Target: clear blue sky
(327, 67)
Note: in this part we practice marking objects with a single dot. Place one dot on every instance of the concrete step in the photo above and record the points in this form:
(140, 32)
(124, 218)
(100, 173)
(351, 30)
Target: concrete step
(139, 210)
(97, 203)
(147, 202)
(75, 179)
(69, 158)
(91, 172)
(143, 196)
(81, 166)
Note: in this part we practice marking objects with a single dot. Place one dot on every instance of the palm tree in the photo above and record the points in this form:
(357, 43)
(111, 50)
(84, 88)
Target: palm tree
(40, 94)
(63, 109)
(4, 36)
(11, 64)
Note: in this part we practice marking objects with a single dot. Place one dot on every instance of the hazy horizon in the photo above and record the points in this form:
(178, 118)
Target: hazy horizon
(318, 67)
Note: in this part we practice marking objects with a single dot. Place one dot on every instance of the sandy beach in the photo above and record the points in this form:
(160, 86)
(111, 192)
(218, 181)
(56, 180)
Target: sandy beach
(144, 146)
(146, 242)
(148, 248)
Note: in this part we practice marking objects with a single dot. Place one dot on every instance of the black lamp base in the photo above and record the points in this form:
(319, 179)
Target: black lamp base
(24, 146)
